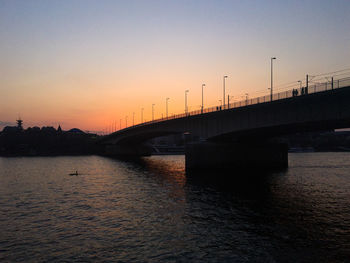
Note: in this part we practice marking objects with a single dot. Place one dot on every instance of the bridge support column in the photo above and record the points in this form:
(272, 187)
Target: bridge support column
(234, 156)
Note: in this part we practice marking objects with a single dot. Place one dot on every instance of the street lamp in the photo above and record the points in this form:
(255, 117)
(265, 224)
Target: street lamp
(300, 82)
(246, 99)
(186, 110)
(126, 121)
(153, 111)
(220, 103)
(166, 100)
(120, 124)
(203, 85)
(133, 118)
(225, 77)
(141, 115)
(272, 76)
(228, 100)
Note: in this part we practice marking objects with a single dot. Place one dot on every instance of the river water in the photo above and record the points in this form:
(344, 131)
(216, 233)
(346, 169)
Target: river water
(151, 211)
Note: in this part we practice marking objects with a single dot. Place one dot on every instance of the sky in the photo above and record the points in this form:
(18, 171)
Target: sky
(96, 64)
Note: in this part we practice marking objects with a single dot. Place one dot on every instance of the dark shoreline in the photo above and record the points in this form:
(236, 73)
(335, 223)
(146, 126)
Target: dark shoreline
(154, 154)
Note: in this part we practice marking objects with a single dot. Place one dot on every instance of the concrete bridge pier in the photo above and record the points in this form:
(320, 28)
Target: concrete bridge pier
(236, 156)
(128, 150)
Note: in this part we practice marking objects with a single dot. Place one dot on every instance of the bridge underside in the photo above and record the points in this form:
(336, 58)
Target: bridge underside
(214, 155)
(266, 133)
(236, 156)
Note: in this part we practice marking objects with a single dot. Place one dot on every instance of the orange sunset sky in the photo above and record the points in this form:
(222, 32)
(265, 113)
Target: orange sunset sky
(88, 64)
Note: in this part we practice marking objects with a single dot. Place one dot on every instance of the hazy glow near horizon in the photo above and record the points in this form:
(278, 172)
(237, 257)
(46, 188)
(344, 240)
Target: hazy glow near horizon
(88, 64)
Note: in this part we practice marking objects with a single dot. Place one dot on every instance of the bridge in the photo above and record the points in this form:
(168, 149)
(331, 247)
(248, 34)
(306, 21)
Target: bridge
(244, 133)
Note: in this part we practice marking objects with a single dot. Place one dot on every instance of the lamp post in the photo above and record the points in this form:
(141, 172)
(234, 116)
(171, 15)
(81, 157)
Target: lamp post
(300, 82)
(246, 99)
(141, 115)
(120, 124)
(133, 118)
(220, 101)
(203, 85)
(272, 77)
(166, 102)
(186, 110)
(153, 112)
(228, 100)
(126, 121)
(224, 78)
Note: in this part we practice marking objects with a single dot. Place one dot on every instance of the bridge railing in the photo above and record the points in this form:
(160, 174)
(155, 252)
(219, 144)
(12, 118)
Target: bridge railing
(297, 92)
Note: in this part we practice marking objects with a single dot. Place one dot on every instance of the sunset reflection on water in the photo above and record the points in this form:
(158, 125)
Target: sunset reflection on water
(151, 210)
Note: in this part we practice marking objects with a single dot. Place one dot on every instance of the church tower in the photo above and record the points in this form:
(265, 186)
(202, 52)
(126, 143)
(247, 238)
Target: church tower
(19, 124)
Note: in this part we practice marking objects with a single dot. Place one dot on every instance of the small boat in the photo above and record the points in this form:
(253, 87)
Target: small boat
(76, 173)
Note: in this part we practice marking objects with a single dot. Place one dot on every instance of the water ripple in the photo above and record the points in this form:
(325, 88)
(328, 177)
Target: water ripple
(151, 211)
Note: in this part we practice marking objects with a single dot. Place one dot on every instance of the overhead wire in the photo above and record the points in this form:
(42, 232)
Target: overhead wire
(312, 79)
(329, 73)
(322, 79)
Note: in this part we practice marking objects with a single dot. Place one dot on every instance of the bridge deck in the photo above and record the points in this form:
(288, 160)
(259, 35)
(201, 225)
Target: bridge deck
(324, 105)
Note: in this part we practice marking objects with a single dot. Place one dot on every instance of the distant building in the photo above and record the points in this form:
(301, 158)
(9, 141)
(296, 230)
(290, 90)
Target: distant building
(48, 130)
(19, 124)
(34, 129)
(14, 129)
(76, 131)
(10, 129)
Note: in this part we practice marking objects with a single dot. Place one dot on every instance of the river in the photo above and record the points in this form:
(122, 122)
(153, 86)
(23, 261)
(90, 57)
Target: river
(151, 211)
